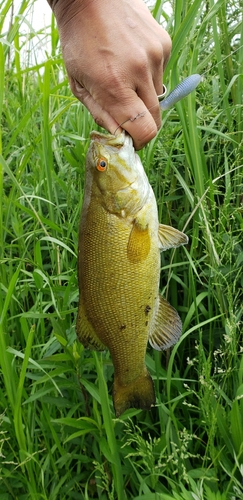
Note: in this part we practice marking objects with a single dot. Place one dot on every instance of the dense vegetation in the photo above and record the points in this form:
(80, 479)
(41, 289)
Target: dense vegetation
(59, 438)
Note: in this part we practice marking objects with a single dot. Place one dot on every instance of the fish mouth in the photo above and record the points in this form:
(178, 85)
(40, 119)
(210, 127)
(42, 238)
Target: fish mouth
(122, 142)
(116, 141)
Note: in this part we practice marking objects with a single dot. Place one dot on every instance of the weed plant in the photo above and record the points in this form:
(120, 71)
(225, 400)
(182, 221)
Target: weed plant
(59, 438)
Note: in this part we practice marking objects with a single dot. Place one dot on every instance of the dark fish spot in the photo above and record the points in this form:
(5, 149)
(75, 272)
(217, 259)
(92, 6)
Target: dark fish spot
(123, 327)
(147, 309)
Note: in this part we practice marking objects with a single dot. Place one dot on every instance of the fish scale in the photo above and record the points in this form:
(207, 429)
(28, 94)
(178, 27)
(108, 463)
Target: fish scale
(103, 288)
(120, 240)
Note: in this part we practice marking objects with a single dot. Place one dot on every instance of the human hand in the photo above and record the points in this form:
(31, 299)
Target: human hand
(115, 53)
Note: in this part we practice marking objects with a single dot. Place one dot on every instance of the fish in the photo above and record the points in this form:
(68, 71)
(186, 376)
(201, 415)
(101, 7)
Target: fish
(120, 240)
(180, 91)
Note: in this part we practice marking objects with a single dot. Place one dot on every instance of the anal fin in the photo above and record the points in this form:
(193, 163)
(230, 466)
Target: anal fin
(167, 326)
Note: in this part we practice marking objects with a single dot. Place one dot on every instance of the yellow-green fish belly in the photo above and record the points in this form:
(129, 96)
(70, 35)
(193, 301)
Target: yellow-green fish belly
(117, 292)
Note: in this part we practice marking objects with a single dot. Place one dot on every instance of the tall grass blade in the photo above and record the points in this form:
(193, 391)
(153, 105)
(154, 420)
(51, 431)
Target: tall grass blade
(110, 433)
(59, 438)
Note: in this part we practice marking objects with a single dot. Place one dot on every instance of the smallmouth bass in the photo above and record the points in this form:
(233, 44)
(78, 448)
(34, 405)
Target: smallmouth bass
(120, 240)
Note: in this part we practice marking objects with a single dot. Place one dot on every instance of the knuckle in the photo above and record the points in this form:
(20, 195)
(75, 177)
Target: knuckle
(160, 49)
(142, 62)
(109, 85)
(75, 86)
(167, 46)
(99, 120)
(149, 132)
(157, 52)
(142, 132)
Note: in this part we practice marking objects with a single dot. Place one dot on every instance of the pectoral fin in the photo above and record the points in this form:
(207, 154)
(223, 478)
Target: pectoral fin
(86, 333)
(167, 326)
(139, 243)
(169, 237)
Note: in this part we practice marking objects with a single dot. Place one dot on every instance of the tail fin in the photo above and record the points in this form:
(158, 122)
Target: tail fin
(137, 394)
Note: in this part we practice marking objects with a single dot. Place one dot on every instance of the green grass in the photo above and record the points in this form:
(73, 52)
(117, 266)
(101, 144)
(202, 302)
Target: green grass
(59, 438)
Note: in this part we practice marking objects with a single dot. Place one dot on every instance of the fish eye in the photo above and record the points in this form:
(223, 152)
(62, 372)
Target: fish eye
(101, 164)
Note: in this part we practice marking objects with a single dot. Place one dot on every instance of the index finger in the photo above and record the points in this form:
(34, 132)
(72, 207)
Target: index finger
(138, 121)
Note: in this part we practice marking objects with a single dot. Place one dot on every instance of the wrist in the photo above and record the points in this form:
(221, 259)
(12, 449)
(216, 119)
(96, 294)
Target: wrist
(65, 10)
